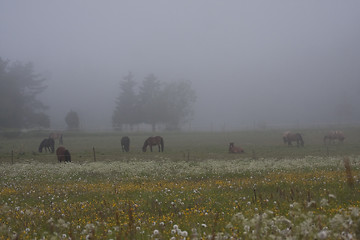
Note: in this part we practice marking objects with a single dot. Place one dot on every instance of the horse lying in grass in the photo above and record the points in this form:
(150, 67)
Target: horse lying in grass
(63, 155)
(48, 144)
(289, 137)
(334, 135)
(233, 149)
(152, 141)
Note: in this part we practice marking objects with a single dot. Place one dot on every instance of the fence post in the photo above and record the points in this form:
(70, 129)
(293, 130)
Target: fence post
(94, 154)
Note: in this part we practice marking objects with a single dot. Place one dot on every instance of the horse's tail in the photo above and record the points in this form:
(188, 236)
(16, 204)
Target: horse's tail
(128, 145)
(301, 139)
(162, 144)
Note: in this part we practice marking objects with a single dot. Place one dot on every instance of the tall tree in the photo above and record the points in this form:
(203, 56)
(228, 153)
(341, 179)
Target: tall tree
(72, 120)
(179, 99)
(150, 101)
(19, 87)
(126, 105)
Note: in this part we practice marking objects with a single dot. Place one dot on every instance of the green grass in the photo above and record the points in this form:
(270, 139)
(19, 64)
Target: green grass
(195, 184)
(180, 146)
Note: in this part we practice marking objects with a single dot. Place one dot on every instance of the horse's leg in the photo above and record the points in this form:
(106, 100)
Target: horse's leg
(150, 148)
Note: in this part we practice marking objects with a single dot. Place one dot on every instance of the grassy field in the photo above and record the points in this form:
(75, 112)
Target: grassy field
(194, 190)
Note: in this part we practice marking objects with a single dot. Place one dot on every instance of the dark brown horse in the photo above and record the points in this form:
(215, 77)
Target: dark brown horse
(125, 144)
(233, 149)
(48, 144)
(151, 141)
(57, 135)
(289, 137)
(334, 135)
(63, 155)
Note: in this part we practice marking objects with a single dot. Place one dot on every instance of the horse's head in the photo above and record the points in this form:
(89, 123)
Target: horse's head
(144, 146)
(67, 156)
(231, 146)
(146, 143)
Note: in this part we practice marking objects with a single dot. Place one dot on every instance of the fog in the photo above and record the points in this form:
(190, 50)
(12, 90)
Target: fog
(252, 63)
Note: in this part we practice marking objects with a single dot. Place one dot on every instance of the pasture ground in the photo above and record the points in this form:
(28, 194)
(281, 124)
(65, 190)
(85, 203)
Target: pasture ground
(194, 190)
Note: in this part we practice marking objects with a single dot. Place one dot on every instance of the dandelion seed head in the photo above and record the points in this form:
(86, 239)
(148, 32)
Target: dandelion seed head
(184, 234)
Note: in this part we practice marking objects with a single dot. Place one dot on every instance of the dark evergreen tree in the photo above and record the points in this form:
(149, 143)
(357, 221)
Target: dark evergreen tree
(156, 103)
(19, 87)
(178, 98)
(150, 101)
(72, 120)
(126, 111)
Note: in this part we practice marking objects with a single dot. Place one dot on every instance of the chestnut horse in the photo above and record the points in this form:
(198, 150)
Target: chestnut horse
(57, 135)
(289, 137)
(125, 144)
(63, 155)
(151, 141)
(334, 135)
(233, 149)
(48, 144)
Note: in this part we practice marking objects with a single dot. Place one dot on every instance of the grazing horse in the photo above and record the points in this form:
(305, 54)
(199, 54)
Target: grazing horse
(56, 135)
(285, 136)
(48, 144)
(151, 141)
(63, 155)
(233, 149)
(334, 135)
(125, 144)
(289, 137)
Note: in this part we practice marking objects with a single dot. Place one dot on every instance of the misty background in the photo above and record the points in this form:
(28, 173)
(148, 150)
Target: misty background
(252, 63)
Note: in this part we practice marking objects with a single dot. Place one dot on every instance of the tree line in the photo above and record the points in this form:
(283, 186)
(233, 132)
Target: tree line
(151, 103)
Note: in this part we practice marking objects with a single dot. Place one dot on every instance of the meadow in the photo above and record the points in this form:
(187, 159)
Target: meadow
(195, 189)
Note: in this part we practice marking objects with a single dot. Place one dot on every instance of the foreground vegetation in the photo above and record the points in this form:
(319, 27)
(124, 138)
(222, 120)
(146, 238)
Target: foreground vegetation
(194, 190)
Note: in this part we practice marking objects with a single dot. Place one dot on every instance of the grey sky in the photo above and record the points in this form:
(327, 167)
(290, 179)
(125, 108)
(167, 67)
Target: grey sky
(271, 62)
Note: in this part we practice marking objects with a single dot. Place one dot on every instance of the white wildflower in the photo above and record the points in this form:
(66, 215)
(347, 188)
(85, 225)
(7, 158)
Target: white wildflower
(322, 234)
(324, 202)
(354, 212)
(332, 196)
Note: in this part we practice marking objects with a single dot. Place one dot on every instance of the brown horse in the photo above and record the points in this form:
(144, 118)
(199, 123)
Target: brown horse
(334, 135)
(233, 149)
(151, 141)
(289, 137)
(63, 155)
(125, 144)
(48, 144)
(57, 135)
(285, 136)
